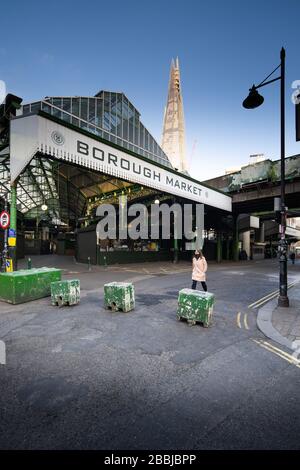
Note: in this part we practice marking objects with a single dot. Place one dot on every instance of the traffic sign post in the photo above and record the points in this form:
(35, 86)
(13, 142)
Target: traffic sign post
(12, 240)
(4, 223)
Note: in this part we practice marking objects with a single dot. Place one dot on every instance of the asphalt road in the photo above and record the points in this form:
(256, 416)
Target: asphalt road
(85, 378)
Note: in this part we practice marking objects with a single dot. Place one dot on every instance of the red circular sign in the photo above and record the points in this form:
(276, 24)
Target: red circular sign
(4, 219)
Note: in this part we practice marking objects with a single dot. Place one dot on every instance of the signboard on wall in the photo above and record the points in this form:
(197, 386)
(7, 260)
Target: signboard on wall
(32, 134)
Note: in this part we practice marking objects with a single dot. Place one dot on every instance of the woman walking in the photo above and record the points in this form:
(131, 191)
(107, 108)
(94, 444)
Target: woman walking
(199, 270)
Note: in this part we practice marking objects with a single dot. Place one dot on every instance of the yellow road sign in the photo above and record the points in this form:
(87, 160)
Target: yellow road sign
(9, 265)
(11, 241)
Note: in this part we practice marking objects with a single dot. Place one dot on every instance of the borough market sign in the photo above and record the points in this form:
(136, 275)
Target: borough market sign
(37, 134)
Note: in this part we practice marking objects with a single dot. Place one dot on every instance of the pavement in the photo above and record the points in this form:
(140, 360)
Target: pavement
(287, 320)
(83, 377)
(282, 324)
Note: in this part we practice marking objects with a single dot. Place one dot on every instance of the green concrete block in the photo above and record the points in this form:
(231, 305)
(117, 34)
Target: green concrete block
(65, 292)
(119, 296)
(27, 284)
(195, 306)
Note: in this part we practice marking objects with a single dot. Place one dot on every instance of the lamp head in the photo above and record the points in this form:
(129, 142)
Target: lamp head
(253, 100)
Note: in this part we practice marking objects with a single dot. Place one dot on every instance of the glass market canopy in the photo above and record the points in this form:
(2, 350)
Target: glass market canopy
(109, 115)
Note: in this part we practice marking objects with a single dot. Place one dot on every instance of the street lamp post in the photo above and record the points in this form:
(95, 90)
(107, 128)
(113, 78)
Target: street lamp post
(253, 100)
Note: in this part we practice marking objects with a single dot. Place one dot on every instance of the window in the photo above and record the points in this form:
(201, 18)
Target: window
(99, 112)
(142, 136)
(84, 125)
(92, 129)
(46, 108)
(106, 120)
(66, 105)
(98, 132)
(113, 115)
(150, 144)
(35, 107)
(131, 122)
(26, 109)
(119, 116)
(57, 102)
(125, 119)
(146, 146)
(92, 110)
(75, 121)
(75, 106)
(56, 112)
(66, 117)
(136, 128)
(83, 109)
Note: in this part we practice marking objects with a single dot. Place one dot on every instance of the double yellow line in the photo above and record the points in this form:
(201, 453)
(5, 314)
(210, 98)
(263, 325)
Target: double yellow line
(279, 352)
(266, 298)
(245, 320)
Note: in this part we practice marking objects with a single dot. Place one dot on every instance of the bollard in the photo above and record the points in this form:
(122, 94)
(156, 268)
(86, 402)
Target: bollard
(65, 292)
(89, 263)
(105, 263)
(119, 296)
(195, 306)
(29, 265)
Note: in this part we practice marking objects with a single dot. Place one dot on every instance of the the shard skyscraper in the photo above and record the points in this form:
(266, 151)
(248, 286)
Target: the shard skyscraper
(173, 136)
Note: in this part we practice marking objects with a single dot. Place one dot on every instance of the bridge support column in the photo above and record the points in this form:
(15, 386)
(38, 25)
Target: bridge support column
(219, 247)
(235, 241)
(246, 243)
(227, 248)
(261, 232)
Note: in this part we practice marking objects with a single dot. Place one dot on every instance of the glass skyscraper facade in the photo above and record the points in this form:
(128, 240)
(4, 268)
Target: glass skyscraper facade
(109, 115)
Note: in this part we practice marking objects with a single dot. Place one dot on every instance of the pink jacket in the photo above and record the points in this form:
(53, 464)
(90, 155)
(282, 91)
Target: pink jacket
(199, 269)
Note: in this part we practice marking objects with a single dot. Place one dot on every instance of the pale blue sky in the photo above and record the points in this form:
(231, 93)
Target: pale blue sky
(77, 48)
